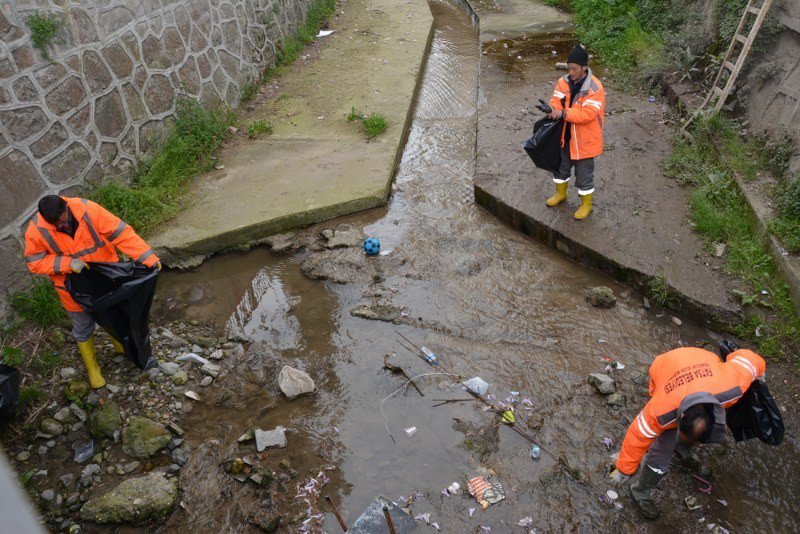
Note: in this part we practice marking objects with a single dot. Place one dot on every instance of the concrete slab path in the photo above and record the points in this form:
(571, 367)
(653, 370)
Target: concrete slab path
(315, 166)
(639, 230)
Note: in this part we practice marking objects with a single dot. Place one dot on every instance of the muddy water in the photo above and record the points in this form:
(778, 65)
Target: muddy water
(491, 303)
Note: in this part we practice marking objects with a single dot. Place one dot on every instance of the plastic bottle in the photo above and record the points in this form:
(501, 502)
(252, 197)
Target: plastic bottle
(536, 451)
(430, 356)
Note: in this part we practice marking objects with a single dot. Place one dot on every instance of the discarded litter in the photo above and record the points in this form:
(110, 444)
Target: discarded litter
(372, 246)
(430, 356)
(454, 487)
(508, 417)
(691, 503)
(608, 442)
(325, 33)
(84, 452)
(411, 430)
(192, 357)
(651, 99)
(435, 525)
(536, 452)
(477, 385)
(192, 395)
(613, 495)
(471, 511)
(525, 521)
(424, 517)
(484, 492)
(385, 252)
(613, 365)
(723, 502)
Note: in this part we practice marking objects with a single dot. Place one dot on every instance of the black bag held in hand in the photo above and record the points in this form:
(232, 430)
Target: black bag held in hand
(9, 390)
(544, 146)
(118, 296)
(756, 415)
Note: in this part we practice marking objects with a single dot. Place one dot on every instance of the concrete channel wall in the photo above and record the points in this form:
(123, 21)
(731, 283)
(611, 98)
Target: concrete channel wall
(106, 92)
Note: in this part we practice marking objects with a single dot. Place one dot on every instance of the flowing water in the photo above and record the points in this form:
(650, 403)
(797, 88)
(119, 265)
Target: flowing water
(491, 303)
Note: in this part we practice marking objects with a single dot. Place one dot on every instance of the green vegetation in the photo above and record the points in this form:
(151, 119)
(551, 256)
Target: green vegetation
(256, 128)
(43, 29)
(355, 115)
(721, 214)
(40, 304)
(12, 356)
(249, 91)
(374, 125)
(787, 225)
(290, 48)
(658, 290)
(46, 362)
(30, 395)
(158, 183)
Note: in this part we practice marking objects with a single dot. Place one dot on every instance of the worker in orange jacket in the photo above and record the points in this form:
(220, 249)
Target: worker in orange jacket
(62, 236)
(579, 99)
(689, 391)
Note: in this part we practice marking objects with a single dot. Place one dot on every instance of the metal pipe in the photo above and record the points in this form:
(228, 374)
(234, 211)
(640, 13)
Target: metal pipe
(388, 519)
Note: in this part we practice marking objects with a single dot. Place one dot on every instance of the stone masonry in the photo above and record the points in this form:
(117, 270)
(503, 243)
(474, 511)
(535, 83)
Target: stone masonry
(107, 92)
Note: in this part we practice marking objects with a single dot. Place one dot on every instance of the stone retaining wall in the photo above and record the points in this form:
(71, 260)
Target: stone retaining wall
(107, 92)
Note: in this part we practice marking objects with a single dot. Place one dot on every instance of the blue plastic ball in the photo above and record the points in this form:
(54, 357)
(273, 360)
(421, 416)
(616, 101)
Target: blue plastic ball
(372, 246)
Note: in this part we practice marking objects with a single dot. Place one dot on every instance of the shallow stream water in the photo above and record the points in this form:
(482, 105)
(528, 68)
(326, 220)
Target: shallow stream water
(491, 303)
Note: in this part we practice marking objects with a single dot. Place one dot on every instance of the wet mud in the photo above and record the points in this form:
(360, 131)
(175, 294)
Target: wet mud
(490, 303)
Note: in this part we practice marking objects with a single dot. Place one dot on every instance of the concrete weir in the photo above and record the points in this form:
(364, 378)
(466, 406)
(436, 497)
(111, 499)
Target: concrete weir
(639, 231)
(315, 165)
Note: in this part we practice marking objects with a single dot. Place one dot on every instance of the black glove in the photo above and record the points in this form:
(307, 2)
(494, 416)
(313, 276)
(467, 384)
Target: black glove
(725, 348)
(544, 107)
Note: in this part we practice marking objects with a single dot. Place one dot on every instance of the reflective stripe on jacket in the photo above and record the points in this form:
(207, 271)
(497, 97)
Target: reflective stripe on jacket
(584, 116)
(681, 374)
(99, 233)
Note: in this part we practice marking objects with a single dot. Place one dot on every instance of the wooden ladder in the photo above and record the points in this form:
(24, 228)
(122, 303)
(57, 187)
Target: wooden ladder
(723, 85)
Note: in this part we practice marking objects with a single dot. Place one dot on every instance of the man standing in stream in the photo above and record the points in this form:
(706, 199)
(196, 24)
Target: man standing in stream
(580, 100)
(62, 236)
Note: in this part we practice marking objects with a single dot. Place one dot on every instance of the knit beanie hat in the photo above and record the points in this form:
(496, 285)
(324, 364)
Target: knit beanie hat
(578, 56)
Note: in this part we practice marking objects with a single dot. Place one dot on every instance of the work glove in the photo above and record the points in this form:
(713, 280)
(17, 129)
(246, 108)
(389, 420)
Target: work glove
(617, 477)
(76, 265)
(544, 107)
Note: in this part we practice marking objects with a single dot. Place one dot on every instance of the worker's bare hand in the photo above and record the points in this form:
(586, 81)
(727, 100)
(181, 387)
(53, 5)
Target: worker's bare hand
(555, 114)
(76, 265)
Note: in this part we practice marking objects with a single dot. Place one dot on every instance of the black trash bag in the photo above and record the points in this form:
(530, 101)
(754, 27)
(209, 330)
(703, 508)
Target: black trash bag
(756, 415)
(544, 146)
(118, 296)
(9, 390)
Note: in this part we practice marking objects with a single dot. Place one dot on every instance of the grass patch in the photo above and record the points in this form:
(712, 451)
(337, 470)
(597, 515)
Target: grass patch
(721, 214)
(658, 290)
(291, 47)
(355, 115)
(259, 127)
(12, 356)
(249, 91)
(40, 304)
(43, 29)
(158, 183)
(29, 395)
(374, 125)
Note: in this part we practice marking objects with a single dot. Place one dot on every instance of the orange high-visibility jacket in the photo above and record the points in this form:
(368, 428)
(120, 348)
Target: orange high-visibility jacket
(99, 233)
(584, 117)
(673, 376)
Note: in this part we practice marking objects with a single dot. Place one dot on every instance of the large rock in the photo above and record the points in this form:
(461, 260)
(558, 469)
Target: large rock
(136, 500)
(270, 438)
(105, 420)
(143, 437)
(294, 382)
(602, 297)
(603, 383)
(76, 390)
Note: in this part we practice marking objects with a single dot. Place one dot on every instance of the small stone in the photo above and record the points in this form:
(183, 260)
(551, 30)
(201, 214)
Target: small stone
(169, 368)
(247, 436)
(603, 383)
(174, 428)
(64, 415)
(67, 479)
(93, 398)
(143, 437)
(210, 369)
(270, 438)
(23, 456)
(77, 426)
(180, 456)
(76, 390)
(173, 469)
(112, 388)
(180, 378)
(206, 381)
(105, 420)
(174, 443)
(719, 249)
(51, 426)
(216, 355)
(42, 450)
(237, 466)
(615, 399)
(78, 412)
(50, 444)
(48, 495)
(197, 349)
(285, 464)
(67, 373)
(645, 303)
(676, 321)
(131, 467)
(294, 382)
(602, 296)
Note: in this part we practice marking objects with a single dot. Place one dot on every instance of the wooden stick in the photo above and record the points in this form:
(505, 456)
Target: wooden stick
(388, 519)
(339, 517)
(397, 369)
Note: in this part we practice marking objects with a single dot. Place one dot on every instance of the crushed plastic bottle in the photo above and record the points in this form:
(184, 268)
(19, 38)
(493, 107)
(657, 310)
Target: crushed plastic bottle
(536, 452)
(84, 452)
(430, 356)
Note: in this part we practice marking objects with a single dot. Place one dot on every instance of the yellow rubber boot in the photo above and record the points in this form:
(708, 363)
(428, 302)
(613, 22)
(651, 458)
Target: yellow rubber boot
(118, 348)
(86, 348)
(560, 196)
(586, 207)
